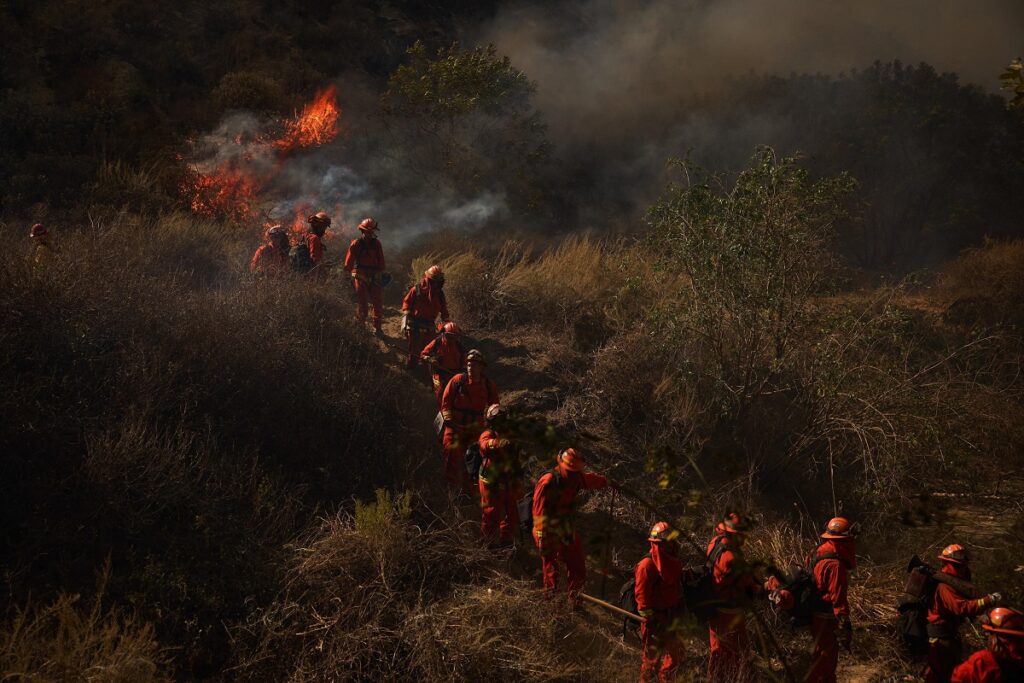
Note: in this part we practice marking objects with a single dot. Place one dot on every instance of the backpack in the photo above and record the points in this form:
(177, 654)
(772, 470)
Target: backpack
(627, 601)
(473, 459)
(525, 505)
(299, 258)
(806, 597)
(912, 622)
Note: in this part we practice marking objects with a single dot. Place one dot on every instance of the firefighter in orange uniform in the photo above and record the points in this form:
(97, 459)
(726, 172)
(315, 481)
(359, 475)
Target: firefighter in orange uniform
(318, 224)
(734, 584)
(949, 609)
(500, 482)
(658, 598)
(831, 564)
(1003, 660)
(463, 405)
(554, 525)
(445, 356)
(420, 308)
(271, 257)
(365, 261)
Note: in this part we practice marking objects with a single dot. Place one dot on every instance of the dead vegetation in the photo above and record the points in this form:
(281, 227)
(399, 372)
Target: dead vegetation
(75, 639)
(393, 593)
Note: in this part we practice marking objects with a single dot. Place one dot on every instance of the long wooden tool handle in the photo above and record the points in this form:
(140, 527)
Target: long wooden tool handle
(608, 606)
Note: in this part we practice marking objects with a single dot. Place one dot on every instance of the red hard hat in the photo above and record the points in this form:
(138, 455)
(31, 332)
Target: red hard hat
(570, 461)
(735, 523)
(956, 553)
(451, 328)
(38, 230)
(837, 528)
(319, 217)
(1005, 620)
(661, 531)
(368, 225)
(434, 273)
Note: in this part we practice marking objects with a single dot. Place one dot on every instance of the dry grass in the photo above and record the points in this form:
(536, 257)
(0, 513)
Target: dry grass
(163, 408)
(390, 594)
(68, 640)
(985, 286)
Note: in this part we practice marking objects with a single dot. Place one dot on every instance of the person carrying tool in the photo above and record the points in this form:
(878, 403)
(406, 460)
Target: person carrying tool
(554, 524)
(947, 611)
(420, 308)
(501, 484)
(463, 405)
(830, 565)
(271, 257)
(1003, 660)
(734, 584)
(445, 356)
(658, 596)
(365, 261)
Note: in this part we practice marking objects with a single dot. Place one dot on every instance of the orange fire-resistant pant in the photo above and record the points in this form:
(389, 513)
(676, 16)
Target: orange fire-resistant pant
(663, 651)
(730, 648)
(368, 293)
(554, 551)
(499, 512)
(825, 657)
(453, 459)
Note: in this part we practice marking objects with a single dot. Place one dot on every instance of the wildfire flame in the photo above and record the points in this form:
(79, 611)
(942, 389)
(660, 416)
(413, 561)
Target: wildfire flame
(227, 192)
(232, 189)
(316, 125)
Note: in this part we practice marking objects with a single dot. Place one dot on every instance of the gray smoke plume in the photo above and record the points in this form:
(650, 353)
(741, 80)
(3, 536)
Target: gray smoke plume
(609, 69)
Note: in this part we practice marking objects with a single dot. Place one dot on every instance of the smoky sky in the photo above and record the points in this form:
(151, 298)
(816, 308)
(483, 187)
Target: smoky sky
(612, 69)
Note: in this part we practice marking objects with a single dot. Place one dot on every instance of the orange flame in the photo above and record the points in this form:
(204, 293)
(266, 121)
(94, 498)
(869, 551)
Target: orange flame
(228, 192)
(232, 190)
(316, 125)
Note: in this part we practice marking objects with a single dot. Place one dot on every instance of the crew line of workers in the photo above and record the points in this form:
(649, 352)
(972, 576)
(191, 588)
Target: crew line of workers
(471, 413)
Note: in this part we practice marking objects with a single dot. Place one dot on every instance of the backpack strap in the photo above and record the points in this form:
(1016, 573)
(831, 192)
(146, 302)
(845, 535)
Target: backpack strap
(717, 550)
(824, 556)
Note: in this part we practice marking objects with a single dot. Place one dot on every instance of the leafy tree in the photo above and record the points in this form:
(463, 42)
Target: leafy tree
(754, 252)
(467, 116)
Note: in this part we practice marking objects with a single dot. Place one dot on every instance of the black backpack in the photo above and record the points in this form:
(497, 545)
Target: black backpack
(299, 258)
(627, 601)
(699, 589)
(525, 506)
(912, 622)
(473, 461)
(806, 597)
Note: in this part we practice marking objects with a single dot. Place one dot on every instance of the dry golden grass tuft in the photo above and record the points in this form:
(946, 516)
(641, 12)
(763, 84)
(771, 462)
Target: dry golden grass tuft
(386, 593)
(69, 640)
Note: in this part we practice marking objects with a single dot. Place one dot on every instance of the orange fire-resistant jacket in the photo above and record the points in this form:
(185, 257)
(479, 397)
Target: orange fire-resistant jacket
(424, 303)
(464, 402)
(554, 502)
(365, 257)
(832, 576)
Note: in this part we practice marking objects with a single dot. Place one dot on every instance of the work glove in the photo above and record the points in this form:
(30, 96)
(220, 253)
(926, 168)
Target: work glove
(844, 634)
(993, 599)
(405, 324)
(502, 443)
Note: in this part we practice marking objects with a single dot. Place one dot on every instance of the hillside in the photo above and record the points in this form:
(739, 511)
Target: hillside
(793, 297)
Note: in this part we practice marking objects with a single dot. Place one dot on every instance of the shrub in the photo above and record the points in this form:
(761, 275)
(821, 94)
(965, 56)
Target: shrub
(391, 594)
(166, 409)
(68, 640)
